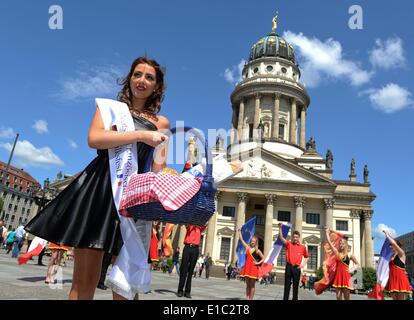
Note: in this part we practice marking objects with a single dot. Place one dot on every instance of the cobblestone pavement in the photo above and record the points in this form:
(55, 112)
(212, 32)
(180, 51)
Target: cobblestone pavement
(27, 282)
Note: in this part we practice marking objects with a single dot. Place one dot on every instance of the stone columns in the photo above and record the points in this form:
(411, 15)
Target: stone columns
(355, 215)
(241, 120)
(275, 125)
(256, 112)
(362, 230)
(329, 204)
(303, 127)
(299, 204)
(242, 198)
(293, 123)
(369, 245)
(211, 229)
(268, 236)
(233, 135)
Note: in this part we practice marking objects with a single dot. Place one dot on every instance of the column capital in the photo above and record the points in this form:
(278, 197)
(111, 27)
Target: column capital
(257, 95)
(271, 199)
(367, 214)
(355, 213)
(299, 201)
(242, 100)
(242, 196)
(277, 95)
(329, 203)
(293, 100)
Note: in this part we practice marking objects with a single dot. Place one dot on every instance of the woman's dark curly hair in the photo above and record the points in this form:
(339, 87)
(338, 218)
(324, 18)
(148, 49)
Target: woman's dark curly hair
(153, 103)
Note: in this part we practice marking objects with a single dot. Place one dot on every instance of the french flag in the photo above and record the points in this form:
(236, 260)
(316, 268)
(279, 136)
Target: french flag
(36, 246)
(271, 258)
(383, 271)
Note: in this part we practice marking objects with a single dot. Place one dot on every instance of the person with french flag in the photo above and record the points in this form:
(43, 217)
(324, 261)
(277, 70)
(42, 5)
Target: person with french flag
(391, 275)
(296, 259)
(253, 259)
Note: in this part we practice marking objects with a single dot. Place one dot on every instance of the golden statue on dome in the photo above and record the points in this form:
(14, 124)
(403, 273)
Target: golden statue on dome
(274, 22)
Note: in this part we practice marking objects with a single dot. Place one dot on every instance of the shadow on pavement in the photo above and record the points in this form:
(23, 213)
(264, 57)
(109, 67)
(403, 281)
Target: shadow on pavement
(163, 291)
(41, 279)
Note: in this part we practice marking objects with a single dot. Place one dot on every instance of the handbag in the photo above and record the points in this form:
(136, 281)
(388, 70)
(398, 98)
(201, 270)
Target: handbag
(198, 210)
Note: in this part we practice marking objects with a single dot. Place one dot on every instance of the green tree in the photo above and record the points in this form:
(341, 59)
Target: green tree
(1, 204)
(369, 278)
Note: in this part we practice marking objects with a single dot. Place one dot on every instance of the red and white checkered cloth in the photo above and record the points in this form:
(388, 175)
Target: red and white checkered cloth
(172, 191)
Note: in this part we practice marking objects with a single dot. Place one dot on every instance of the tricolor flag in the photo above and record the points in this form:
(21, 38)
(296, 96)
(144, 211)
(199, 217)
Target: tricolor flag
(271, 258)
(247, 231)
(383, 271)
(36, 246)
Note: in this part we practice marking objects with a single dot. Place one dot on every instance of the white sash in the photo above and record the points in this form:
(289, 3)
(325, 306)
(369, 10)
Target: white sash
(130, 274)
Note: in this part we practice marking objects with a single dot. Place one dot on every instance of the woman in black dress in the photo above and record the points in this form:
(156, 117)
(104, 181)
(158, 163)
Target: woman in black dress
(83, 215)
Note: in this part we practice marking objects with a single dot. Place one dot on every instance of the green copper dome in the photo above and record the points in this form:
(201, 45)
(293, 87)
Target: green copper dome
(272, 46)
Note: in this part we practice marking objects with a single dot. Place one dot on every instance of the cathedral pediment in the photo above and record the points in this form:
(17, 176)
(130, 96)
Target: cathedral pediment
(265, 165)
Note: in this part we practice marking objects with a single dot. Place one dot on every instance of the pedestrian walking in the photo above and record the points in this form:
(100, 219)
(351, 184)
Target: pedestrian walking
(10, 240)
(207, 264)
(175, 262)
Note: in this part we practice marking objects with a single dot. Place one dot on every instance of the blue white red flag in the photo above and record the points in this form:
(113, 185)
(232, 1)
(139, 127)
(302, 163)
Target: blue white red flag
(383, 271)
(271, 258)
(247, 231)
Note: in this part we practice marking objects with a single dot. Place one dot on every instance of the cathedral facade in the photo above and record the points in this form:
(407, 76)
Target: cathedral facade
(284, 178)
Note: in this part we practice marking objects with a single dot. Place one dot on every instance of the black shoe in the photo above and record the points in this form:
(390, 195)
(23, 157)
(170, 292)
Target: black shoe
(102, 286)
(179, 294)
(187, 295)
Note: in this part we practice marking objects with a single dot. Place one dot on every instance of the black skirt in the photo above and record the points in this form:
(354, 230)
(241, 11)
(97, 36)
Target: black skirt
(83, 215)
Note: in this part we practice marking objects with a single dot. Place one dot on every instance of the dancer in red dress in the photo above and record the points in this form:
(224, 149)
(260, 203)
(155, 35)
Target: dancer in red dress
(250, 271)
(398, 284)
(54, 262)
(155, 238)
(342, 281)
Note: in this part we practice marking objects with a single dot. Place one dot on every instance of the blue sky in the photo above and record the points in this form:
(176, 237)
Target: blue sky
(360, 81)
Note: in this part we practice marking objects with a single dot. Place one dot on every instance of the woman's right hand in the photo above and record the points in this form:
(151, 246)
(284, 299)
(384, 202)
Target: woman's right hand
(152, 138)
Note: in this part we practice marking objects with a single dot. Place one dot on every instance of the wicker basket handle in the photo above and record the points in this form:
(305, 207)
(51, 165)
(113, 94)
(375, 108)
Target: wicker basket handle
(208, 177)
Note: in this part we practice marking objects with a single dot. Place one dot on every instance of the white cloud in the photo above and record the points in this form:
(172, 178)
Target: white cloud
(72, 144)
(40, 126)
(28, 155)
(233, 75)
(325, 60)
(7, 133)
(93, 82)
(379, 234)
(390, 98)
(388, 54)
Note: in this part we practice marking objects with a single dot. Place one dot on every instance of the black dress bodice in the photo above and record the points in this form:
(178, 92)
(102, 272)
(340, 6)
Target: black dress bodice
(143, 150)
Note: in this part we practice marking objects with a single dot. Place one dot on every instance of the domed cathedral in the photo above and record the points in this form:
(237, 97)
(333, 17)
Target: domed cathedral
(284, 178)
